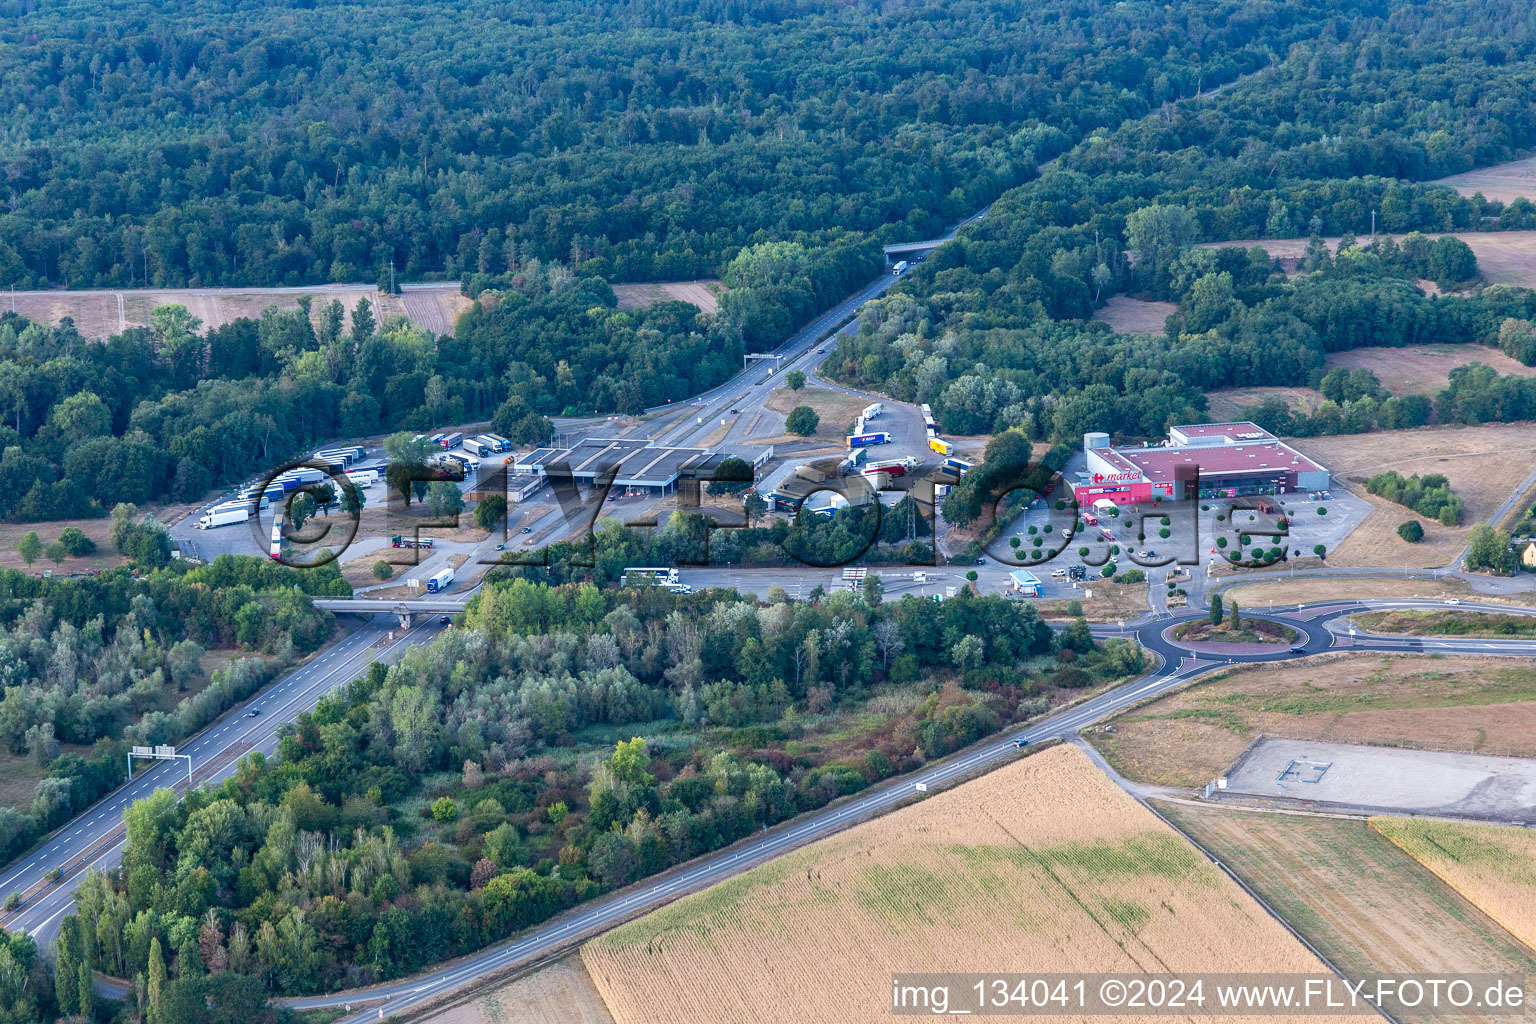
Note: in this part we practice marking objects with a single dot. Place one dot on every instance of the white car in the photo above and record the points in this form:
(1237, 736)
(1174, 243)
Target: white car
(1453, 600)
(1059, 573)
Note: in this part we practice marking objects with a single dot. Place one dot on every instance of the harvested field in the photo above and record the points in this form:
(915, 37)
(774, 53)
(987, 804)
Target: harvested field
(837, 410)
(1423, 369)
(1505, 182)
(1043, 865)
(436, 307)
(1135, 316)
(1503, 257)
(1485, 465)
(1226, 404)
(101, 313)
(1189, 737)
(560, 993)
(1493, 866)
(703, 294)
(1368, 906)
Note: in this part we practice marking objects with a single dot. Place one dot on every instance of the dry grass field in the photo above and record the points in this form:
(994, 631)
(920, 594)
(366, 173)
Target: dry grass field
(96, 529)
(437, 307)
(703, 294)
(1423, 369)
(1189, 737)
(1485, 465)
(1503, 257)
(1302, 590)
(1505, 182)
(837, 410)
(1111, 602)
(1227, 403)
(1134, 316)
(1493, 866)
(1369, 907)
(561, 993)
(1044, 865)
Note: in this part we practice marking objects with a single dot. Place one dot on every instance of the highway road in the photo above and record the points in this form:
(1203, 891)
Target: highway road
(1317, 623)
(94, 839)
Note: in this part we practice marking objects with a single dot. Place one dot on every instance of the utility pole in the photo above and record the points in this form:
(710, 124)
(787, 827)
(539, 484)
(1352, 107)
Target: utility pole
(392, 270)
(1373, 223)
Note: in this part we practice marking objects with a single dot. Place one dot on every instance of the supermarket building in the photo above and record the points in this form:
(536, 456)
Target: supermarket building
(1206, 460)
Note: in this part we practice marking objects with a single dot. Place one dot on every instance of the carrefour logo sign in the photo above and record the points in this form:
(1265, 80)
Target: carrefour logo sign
(1116, 478)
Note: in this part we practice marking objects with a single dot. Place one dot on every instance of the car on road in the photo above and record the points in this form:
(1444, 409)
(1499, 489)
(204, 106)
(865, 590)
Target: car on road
(1453, 600)
(981, 561)
(445, 619)
(735, 412)
(527, 529)
(252, 713)
(1298, 650)
(821, 351)
(501, 547)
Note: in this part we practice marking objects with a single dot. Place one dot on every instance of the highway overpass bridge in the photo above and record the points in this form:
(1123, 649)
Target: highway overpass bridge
(406, 608)
(907, 250)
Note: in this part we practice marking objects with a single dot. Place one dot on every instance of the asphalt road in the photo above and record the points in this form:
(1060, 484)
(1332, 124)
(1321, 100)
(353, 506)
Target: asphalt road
(1178, 665)
(94, 839)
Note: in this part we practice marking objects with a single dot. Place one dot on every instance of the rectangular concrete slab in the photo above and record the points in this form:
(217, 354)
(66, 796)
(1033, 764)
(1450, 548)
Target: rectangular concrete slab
(1388, 779)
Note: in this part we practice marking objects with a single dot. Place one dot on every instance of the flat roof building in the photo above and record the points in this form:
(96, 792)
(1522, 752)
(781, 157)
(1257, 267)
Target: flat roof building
(1026, 583)
(1205, 460)
(637, 464)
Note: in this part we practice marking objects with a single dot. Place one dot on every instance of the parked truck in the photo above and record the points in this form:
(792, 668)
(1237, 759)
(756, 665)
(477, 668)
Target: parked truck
(810, 473)
(872, 411)
(424, 544)
(439, 581)
(224, 515)
(476, 446)
(865, 440)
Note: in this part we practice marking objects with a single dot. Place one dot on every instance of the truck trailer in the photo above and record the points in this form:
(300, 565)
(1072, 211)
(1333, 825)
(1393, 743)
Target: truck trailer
(899, 268)
(224, 515)
(439, 581)
(476, 446)
(865, 440)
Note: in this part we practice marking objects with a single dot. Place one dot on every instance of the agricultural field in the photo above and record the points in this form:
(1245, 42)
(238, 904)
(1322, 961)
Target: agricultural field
(1368, 906)
(1505, 182)
(703, 294)
(1189, 737)
(99, 314)
(1134, 316)
(1423, 369)
(1044, 865)
(1484, 464)
(104, 557)
(558, 993)
(1503, 257)
(1493, 866)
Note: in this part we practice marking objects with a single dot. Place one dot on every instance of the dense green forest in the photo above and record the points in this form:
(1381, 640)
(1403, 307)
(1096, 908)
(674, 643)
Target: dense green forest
(203, 142)
(563, 742)
(992, 329)
(99, 663)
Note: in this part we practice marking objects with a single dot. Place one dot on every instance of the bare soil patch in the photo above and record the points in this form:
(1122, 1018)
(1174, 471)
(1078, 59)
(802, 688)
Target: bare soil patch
(1111, 602)
(704, 294)
(1044, 865)
(1367, 905)
(560, 993)
(1189, 737)
(1302, 590)
(1423, 369)
(1505, 182)
(1484, 464)
(1493, 866)
(1135, 316)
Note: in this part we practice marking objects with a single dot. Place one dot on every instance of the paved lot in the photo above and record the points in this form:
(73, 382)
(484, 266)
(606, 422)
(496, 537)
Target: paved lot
(1389, 779)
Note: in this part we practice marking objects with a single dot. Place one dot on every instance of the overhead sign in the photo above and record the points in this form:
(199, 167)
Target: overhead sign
(163, 751)
(143, 752)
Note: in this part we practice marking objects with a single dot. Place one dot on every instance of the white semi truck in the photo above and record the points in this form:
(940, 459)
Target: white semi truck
(899, 268)
(224, 515)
